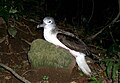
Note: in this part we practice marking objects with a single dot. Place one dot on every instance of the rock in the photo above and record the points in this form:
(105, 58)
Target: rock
(50, 60)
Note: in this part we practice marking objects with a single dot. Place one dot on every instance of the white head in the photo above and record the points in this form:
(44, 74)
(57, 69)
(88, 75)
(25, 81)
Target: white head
(47, 22)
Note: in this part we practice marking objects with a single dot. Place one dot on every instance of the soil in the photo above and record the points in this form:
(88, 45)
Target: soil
(13, 53)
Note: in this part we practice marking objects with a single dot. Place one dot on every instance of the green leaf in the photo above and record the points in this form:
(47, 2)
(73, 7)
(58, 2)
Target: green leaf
(12, 31)
(4, 14)
(12, 11)
(118, 78)
(115, 68)
(109, 67)
(94, 80)
(114, 48)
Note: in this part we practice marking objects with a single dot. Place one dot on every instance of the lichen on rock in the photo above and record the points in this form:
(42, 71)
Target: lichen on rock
(44, 54)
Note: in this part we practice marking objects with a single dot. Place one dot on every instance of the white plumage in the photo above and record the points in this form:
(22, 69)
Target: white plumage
(50, 34)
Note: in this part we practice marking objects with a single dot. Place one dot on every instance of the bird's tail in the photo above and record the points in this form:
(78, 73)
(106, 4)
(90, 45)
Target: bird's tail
(83, 64)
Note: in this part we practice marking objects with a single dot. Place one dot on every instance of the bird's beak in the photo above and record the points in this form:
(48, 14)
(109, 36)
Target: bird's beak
(41, 25)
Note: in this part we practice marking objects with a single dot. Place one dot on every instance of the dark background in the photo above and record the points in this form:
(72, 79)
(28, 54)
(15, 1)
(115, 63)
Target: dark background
(74, 9)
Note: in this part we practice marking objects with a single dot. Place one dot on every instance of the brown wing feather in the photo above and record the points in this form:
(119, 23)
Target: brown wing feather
(73, 42)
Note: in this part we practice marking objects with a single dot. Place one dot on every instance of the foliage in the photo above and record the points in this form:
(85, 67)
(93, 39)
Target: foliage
(10, 8)
(4, 13)
(113, 62)
(112, 67)
(113, 51)
(12, 31)
(94, 80)
(45, 79)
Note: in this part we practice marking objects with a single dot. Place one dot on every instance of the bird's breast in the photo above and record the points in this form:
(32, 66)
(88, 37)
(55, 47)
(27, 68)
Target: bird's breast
(50, 37)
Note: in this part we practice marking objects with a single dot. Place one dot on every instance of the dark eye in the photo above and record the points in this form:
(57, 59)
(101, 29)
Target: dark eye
(49, 21)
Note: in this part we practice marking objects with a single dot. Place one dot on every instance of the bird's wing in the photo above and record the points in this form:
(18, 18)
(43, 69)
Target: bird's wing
(73, 42)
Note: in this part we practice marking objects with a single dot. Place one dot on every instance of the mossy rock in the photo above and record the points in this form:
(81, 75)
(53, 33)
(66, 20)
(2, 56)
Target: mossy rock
(44, 54)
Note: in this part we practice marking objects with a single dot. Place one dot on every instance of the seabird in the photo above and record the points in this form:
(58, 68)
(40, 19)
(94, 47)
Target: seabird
(68, 41)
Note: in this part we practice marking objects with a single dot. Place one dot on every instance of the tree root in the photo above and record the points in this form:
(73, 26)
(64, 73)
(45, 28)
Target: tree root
(14, 73)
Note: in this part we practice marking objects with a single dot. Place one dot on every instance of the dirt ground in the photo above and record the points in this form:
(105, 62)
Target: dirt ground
(13, 53)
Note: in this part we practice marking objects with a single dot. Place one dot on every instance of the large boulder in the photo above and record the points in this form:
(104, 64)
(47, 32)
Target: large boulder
(50, 59)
